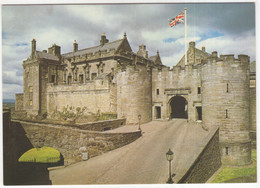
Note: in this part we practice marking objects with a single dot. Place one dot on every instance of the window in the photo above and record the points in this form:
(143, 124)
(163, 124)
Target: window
(53, 78)
(227, 88)
(81, 78)
(226, 113)
(157, 91)
(226, 150)
(199, 91)
(93, 76)
(30, 95)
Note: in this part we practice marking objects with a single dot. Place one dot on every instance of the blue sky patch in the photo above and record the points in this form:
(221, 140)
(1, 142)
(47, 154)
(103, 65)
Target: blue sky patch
(21, 44)
(210, 34)
(169, 40)
(3, 35)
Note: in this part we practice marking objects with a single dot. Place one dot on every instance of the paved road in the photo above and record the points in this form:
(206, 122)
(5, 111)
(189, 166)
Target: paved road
(141, 162)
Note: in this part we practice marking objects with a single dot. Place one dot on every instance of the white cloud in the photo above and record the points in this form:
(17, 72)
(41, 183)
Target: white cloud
(143, 23)
(242, 44)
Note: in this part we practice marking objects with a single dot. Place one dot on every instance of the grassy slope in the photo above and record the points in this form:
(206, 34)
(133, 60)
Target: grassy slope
(228, 173)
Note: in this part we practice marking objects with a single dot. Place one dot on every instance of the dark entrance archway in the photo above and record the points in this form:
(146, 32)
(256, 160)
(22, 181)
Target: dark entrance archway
(178, 107)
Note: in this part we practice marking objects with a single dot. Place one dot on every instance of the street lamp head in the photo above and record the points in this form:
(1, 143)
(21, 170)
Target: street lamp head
(139, 116)
(169, 155)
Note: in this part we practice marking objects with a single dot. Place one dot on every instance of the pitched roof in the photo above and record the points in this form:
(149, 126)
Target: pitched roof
(106, 46)
(44, 55)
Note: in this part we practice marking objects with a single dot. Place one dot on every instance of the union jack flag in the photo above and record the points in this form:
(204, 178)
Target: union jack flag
(178, 19)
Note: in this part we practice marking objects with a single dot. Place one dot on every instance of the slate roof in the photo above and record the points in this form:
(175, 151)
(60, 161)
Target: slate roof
(44, 55)
(107, 46)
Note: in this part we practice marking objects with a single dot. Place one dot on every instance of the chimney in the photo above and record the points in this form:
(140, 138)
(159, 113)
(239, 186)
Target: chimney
(103, 40)
(203, 48)
(192, 44)
(33, 43)
(142, 51)
(75, 46)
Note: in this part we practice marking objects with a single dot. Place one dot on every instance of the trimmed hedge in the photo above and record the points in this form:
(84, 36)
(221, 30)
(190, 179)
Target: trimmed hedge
(41, 155)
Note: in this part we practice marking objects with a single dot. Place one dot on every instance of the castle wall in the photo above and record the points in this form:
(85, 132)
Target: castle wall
(72, 142)
(134, 94)
(180, 81)
(31, 89)
(19, 102)
(47, 70)
(95, 95)
(225, 101)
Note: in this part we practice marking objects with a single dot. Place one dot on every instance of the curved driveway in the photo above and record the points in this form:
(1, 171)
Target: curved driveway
(141, 162)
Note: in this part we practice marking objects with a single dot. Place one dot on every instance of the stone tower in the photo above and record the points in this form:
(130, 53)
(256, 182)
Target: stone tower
(38, 70)
(225, 103)
(134, 96)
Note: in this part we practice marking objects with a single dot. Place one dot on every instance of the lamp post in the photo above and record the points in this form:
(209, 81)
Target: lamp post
(169, 157)
(139, 117)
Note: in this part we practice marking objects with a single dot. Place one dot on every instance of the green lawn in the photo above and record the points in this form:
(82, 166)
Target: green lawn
(228, 173)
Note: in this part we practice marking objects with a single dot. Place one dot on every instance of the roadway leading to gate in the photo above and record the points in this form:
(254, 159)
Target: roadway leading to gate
(141, 162)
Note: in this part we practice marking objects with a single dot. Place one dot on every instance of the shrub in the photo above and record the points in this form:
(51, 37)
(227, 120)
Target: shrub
(41, 155)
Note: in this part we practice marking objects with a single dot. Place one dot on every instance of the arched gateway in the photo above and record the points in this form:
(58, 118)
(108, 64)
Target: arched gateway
(178, 107)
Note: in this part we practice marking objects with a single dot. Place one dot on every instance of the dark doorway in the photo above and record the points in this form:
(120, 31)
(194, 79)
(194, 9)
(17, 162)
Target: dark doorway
(199, 113)
(179, 107)
(158, 112)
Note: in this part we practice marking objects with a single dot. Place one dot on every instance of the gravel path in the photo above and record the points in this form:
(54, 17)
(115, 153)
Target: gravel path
(141, 162)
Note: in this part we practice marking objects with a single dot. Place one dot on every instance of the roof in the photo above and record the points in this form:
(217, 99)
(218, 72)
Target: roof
(44, 55)
(106, 46)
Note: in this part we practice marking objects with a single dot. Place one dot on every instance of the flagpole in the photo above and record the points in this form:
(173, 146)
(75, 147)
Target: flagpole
(185, 22)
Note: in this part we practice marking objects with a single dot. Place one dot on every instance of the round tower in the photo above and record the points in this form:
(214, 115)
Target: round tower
(134, 94)
(225, 103)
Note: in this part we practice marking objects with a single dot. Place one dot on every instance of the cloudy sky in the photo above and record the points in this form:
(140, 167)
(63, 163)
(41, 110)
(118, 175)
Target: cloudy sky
(226, 28)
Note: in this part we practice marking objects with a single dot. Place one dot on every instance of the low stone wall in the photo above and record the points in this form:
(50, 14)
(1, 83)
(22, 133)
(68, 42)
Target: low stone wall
(74, 143)
(207, 163)
(102, 125)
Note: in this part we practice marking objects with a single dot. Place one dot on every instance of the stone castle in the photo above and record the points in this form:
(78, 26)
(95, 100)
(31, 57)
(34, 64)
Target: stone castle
(210, 90)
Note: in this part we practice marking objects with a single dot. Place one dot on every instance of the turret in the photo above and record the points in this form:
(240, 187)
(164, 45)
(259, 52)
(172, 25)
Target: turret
(33, 47)
(75, 46)
(225, 103)
(103, 40)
